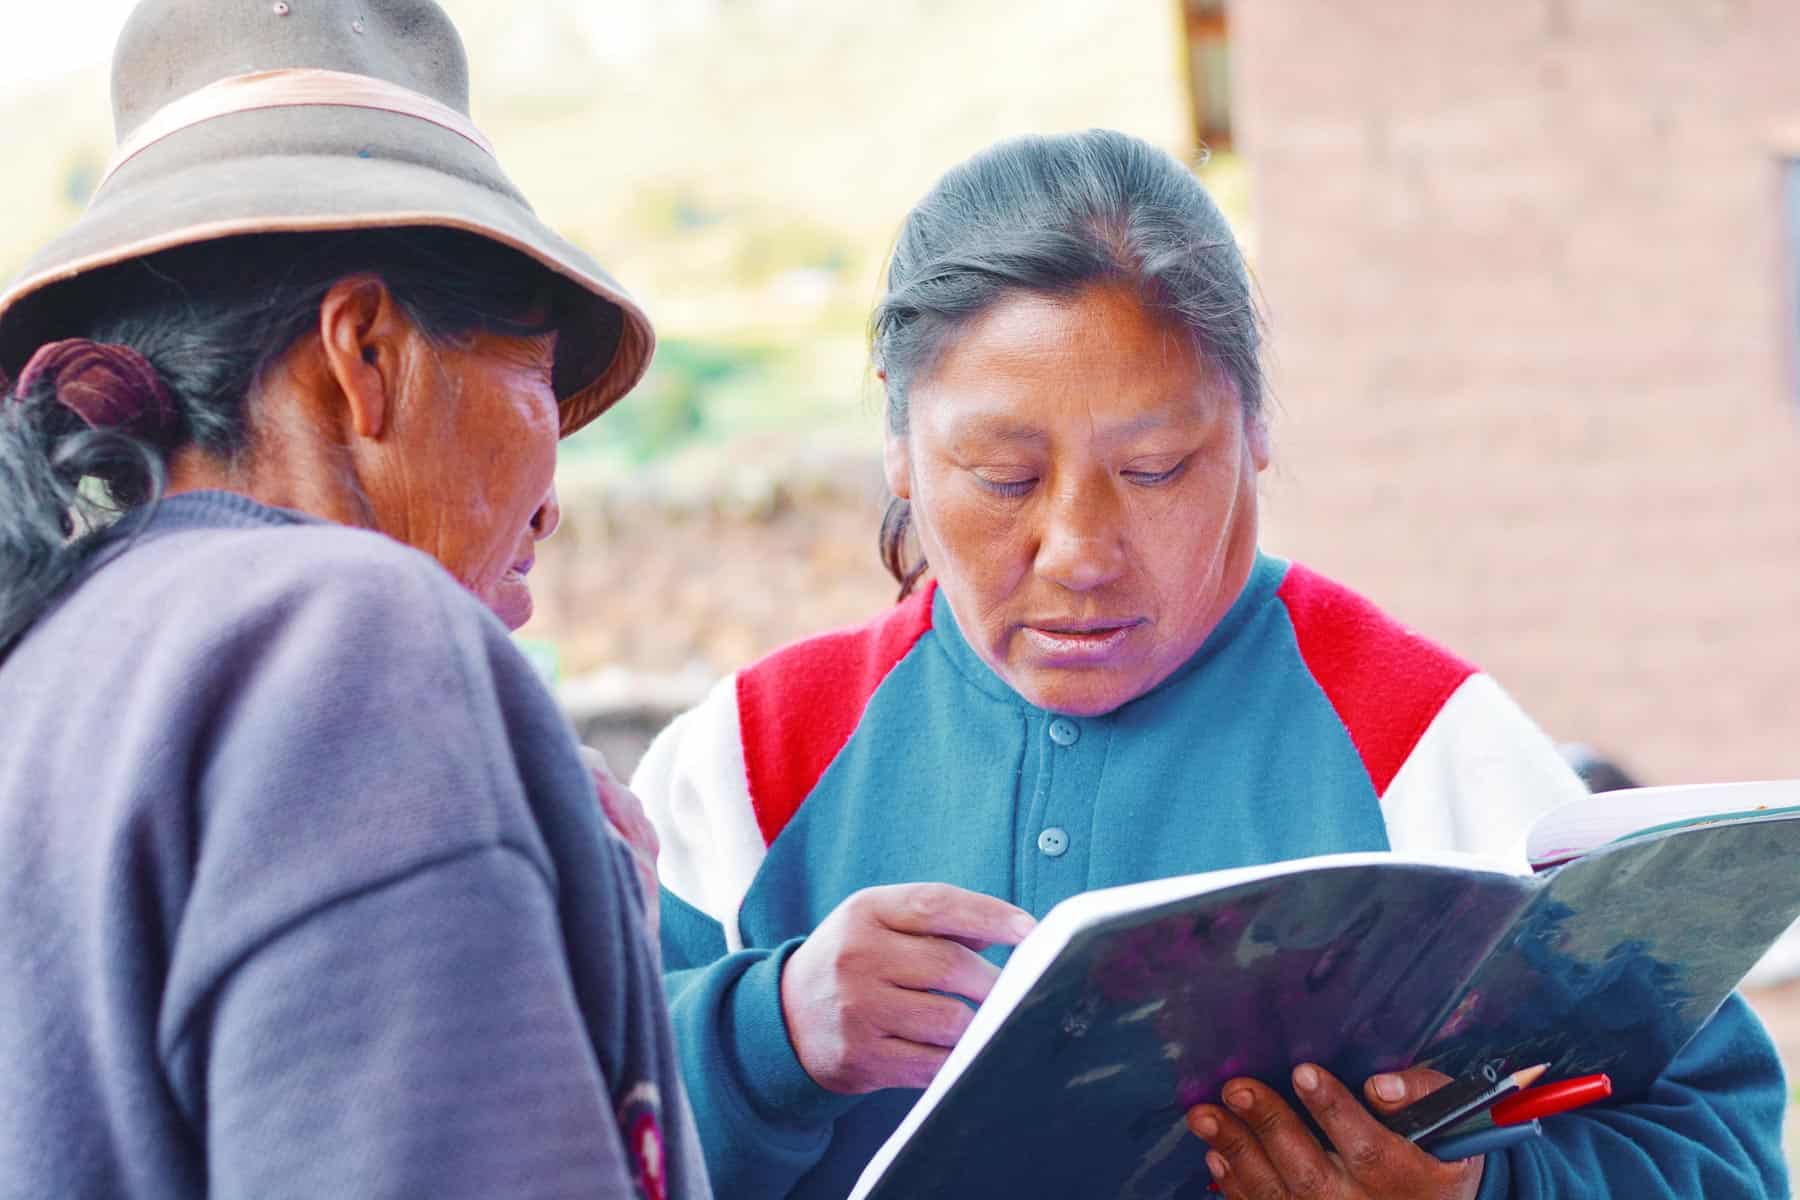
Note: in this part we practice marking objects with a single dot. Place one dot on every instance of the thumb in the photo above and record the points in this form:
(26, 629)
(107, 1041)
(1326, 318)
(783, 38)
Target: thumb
(1390, 1092)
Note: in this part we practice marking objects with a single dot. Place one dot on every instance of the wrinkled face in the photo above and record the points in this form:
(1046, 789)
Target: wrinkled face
(483, 445)
(1083, 484)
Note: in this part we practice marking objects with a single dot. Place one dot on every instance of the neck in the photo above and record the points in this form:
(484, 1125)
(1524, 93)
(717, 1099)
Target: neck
(308, 474)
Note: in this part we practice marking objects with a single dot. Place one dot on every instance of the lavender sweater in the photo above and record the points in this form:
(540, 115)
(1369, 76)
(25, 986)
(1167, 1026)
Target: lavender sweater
(306, 893)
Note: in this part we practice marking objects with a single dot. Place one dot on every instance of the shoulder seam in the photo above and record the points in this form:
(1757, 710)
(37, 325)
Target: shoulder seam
(363, 888)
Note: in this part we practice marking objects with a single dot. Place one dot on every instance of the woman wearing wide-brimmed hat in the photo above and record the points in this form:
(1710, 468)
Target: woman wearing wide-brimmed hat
(306, 889)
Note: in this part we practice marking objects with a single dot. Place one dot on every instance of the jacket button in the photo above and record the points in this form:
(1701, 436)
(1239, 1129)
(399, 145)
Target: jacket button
(1054, 842)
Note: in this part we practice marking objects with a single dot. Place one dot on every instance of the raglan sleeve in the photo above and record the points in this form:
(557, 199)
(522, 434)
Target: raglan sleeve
(764, 1123)
(372, 992)
(1482, 772)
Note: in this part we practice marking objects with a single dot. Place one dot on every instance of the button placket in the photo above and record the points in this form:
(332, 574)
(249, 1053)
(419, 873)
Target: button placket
(1053, 840)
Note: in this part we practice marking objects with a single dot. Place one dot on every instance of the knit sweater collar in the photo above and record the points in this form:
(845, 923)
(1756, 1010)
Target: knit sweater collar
(222, 510)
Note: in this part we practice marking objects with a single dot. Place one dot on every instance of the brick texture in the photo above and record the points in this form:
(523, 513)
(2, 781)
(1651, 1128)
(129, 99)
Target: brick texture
(1532, 344)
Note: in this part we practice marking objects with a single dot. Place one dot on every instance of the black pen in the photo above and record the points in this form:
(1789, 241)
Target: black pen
(1457, 1100)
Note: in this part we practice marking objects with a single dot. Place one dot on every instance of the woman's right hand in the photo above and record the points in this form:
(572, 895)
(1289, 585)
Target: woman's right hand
(860, 995)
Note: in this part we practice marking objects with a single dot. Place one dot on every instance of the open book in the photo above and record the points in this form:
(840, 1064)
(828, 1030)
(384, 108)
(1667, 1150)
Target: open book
(1128, 1005)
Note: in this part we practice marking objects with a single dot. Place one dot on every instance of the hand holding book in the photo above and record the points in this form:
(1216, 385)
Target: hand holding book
(1259, 1145)
(1129, 1007)
(1260, 1140)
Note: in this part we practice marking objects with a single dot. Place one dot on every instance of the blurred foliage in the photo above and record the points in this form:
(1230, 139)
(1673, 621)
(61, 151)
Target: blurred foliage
(670, 209)
(741, 166)
(671, 406)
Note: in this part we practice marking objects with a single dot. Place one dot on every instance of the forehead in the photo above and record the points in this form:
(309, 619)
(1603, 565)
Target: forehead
(1099, 356)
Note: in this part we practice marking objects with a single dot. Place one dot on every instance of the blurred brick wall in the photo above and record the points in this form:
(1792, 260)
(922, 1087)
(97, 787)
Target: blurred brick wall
(1532, 348)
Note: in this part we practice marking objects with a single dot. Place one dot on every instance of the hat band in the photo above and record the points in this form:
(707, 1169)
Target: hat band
(291, 88)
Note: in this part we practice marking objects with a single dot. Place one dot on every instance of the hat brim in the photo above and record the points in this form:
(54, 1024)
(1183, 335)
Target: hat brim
(200, 187)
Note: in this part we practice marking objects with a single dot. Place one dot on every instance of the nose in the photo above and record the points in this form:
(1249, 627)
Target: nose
(547, 517)
(1082, 545)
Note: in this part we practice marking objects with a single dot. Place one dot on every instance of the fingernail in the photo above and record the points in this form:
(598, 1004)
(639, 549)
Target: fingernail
(1215, 1162)
(1206, 1125)
(1240, 1098)
(1390, 1087)
(1306, 1078)
(1023, 925)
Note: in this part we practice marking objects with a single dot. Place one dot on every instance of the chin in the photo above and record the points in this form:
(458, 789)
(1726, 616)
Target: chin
(1079, 697)
(511, 603)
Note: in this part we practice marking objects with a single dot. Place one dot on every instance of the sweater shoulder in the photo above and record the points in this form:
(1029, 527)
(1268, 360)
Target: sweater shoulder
(221, 583)
(249, 564)
(1386, 682)
(799, 706)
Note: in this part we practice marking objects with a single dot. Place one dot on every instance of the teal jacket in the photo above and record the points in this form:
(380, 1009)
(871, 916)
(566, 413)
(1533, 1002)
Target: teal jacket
(1309, 723)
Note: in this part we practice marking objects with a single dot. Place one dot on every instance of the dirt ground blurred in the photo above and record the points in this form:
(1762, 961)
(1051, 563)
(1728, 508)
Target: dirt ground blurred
(707, 566)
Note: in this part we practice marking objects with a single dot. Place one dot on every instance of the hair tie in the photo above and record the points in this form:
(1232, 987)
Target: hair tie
(107, 385)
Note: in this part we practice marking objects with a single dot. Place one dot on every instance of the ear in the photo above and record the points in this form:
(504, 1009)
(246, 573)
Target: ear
(362, 333)
(896, 464)
(896, 453)
(1256, 436)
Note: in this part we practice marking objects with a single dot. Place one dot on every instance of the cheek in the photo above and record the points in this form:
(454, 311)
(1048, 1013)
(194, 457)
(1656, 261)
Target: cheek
(513, 464)
(970, 540)
(524, 464)
(1194, 546)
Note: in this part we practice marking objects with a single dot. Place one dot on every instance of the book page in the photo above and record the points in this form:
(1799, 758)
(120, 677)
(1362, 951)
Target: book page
(1593, 821)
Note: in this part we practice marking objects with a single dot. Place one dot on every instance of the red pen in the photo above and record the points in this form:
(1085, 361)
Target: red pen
(1550, 1099)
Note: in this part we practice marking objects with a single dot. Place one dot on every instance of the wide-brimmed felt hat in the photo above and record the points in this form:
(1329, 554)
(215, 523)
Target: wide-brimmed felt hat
(239, 117)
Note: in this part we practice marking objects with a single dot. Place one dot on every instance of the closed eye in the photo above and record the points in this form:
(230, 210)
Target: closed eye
(1006, 487)
(1155, 478)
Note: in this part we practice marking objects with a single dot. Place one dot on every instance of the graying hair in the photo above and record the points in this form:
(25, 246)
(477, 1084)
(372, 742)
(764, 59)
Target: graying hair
(1052, 216)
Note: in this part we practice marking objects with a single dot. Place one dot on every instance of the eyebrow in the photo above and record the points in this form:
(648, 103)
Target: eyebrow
(1000, 429)
(1146, 423)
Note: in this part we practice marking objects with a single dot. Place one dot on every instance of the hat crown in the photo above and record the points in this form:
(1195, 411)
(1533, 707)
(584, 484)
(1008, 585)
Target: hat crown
(170, 48)
(248, 117)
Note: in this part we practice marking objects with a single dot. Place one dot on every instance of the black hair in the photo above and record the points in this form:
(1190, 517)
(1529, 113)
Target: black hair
(1598, 771)
(1055, 215)
(211, 319)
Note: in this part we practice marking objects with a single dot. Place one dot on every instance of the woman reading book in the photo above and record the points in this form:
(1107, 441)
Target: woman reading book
(1103, 680)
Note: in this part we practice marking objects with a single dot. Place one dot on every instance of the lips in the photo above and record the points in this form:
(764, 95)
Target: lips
(1079, 643)
(1078, 628)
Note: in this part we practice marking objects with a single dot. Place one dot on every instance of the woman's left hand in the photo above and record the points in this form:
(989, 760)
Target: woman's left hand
(625, 813)
(1262, 1150)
